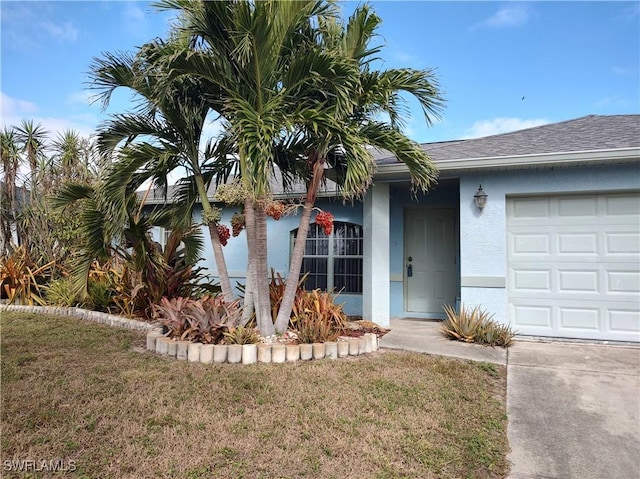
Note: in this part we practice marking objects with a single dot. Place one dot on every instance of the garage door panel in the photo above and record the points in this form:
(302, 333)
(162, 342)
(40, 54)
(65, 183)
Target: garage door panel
(580, 206)
(623, 320)
(579, 319)
(530, 208)
(531, 244)
(576, 271)
(528, 315)
(622, 205)
(577, 243)
(623, 283)
(582, 281)
(622, 243)
(538, 281)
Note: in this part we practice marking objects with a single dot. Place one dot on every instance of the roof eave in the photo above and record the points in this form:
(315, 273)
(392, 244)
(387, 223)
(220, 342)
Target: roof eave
(520, 161)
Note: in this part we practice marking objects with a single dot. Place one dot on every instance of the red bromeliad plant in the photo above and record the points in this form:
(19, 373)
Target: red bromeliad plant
(204, 320)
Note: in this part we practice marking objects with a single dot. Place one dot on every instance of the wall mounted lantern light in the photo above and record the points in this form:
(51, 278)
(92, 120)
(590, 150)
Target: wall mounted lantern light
(480, 198)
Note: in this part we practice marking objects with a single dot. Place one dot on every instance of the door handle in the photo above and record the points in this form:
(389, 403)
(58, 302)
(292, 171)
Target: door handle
(409, 270)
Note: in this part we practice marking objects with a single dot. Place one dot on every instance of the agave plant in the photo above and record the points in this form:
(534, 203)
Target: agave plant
(476, 326)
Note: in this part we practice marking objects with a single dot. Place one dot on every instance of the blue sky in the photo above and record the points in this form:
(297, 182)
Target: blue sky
(502, 66)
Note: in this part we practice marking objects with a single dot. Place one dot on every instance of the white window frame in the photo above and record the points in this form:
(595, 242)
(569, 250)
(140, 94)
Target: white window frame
(331, 256)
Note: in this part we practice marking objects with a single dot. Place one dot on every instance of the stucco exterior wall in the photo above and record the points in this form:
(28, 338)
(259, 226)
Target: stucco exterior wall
(483, 234)
(444, 195)
(279, 245)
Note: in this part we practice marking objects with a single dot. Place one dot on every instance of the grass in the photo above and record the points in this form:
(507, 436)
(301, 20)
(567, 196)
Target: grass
(87, 393)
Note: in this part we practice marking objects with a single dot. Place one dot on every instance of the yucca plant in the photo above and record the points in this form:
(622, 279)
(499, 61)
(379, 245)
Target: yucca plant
(475, 326)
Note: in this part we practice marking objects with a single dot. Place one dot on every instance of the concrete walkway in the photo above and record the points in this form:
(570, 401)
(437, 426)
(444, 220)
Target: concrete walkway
(573, 408)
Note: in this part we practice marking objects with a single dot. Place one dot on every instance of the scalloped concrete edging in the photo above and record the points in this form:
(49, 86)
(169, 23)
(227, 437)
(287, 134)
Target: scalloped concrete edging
(94, 316)
(257, 353)
(213, 354)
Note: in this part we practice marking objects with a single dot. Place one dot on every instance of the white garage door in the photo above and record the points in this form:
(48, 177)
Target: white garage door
(574, 266)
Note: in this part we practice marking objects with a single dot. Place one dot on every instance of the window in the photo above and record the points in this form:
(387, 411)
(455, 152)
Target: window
(335, 261)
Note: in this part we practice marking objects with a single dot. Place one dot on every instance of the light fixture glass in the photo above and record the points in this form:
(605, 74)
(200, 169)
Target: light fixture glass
(480, 198)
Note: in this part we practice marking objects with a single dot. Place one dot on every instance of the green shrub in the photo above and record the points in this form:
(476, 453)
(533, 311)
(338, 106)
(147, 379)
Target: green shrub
(241, 335)
(476, 326)
(59, 292)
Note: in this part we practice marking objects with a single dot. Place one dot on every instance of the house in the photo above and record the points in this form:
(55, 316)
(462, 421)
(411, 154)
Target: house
(555, 251)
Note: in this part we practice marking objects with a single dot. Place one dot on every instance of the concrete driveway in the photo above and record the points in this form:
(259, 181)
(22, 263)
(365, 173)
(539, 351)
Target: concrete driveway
(574, 410)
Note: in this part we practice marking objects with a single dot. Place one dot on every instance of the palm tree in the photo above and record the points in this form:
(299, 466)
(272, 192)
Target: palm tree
(260, 60)
(164, 134)
(32, 139)
(344, 145)
(72, 156)
(10, 162)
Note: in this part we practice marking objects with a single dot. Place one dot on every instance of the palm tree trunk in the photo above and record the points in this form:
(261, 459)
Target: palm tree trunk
(256, 245)
(221, 265)
(218, 254)
(261, 286)
(284, 314)
(249, 306)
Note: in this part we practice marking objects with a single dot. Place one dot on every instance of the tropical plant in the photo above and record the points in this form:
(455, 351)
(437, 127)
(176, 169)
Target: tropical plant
(475, 326)
(343, 145)
(163, 135)
(59, 292)
(317, 317)
(10, 163)
(259, 63)
(33, 141)
(21, 279)
(145, 274)
(294, 89)
(277, 286)
(242, 335)
(204, 320)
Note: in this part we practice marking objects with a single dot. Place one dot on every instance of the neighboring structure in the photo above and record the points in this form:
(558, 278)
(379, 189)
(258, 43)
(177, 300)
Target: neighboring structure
(555, 251)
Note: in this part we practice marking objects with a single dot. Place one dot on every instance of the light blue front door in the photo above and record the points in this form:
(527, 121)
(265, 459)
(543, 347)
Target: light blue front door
(430, 259)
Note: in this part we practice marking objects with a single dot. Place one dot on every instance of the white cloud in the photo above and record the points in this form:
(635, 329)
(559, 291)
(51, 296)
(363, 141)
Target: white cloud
(10, 107)
(499, 125)
(512, 15)
(14, 111)
(65, 32)
(135, 20)
(80, 97)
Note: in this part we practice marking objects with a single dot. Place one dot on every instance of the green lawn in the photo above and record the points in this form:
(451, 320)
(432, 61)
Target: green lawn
(90, 396)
